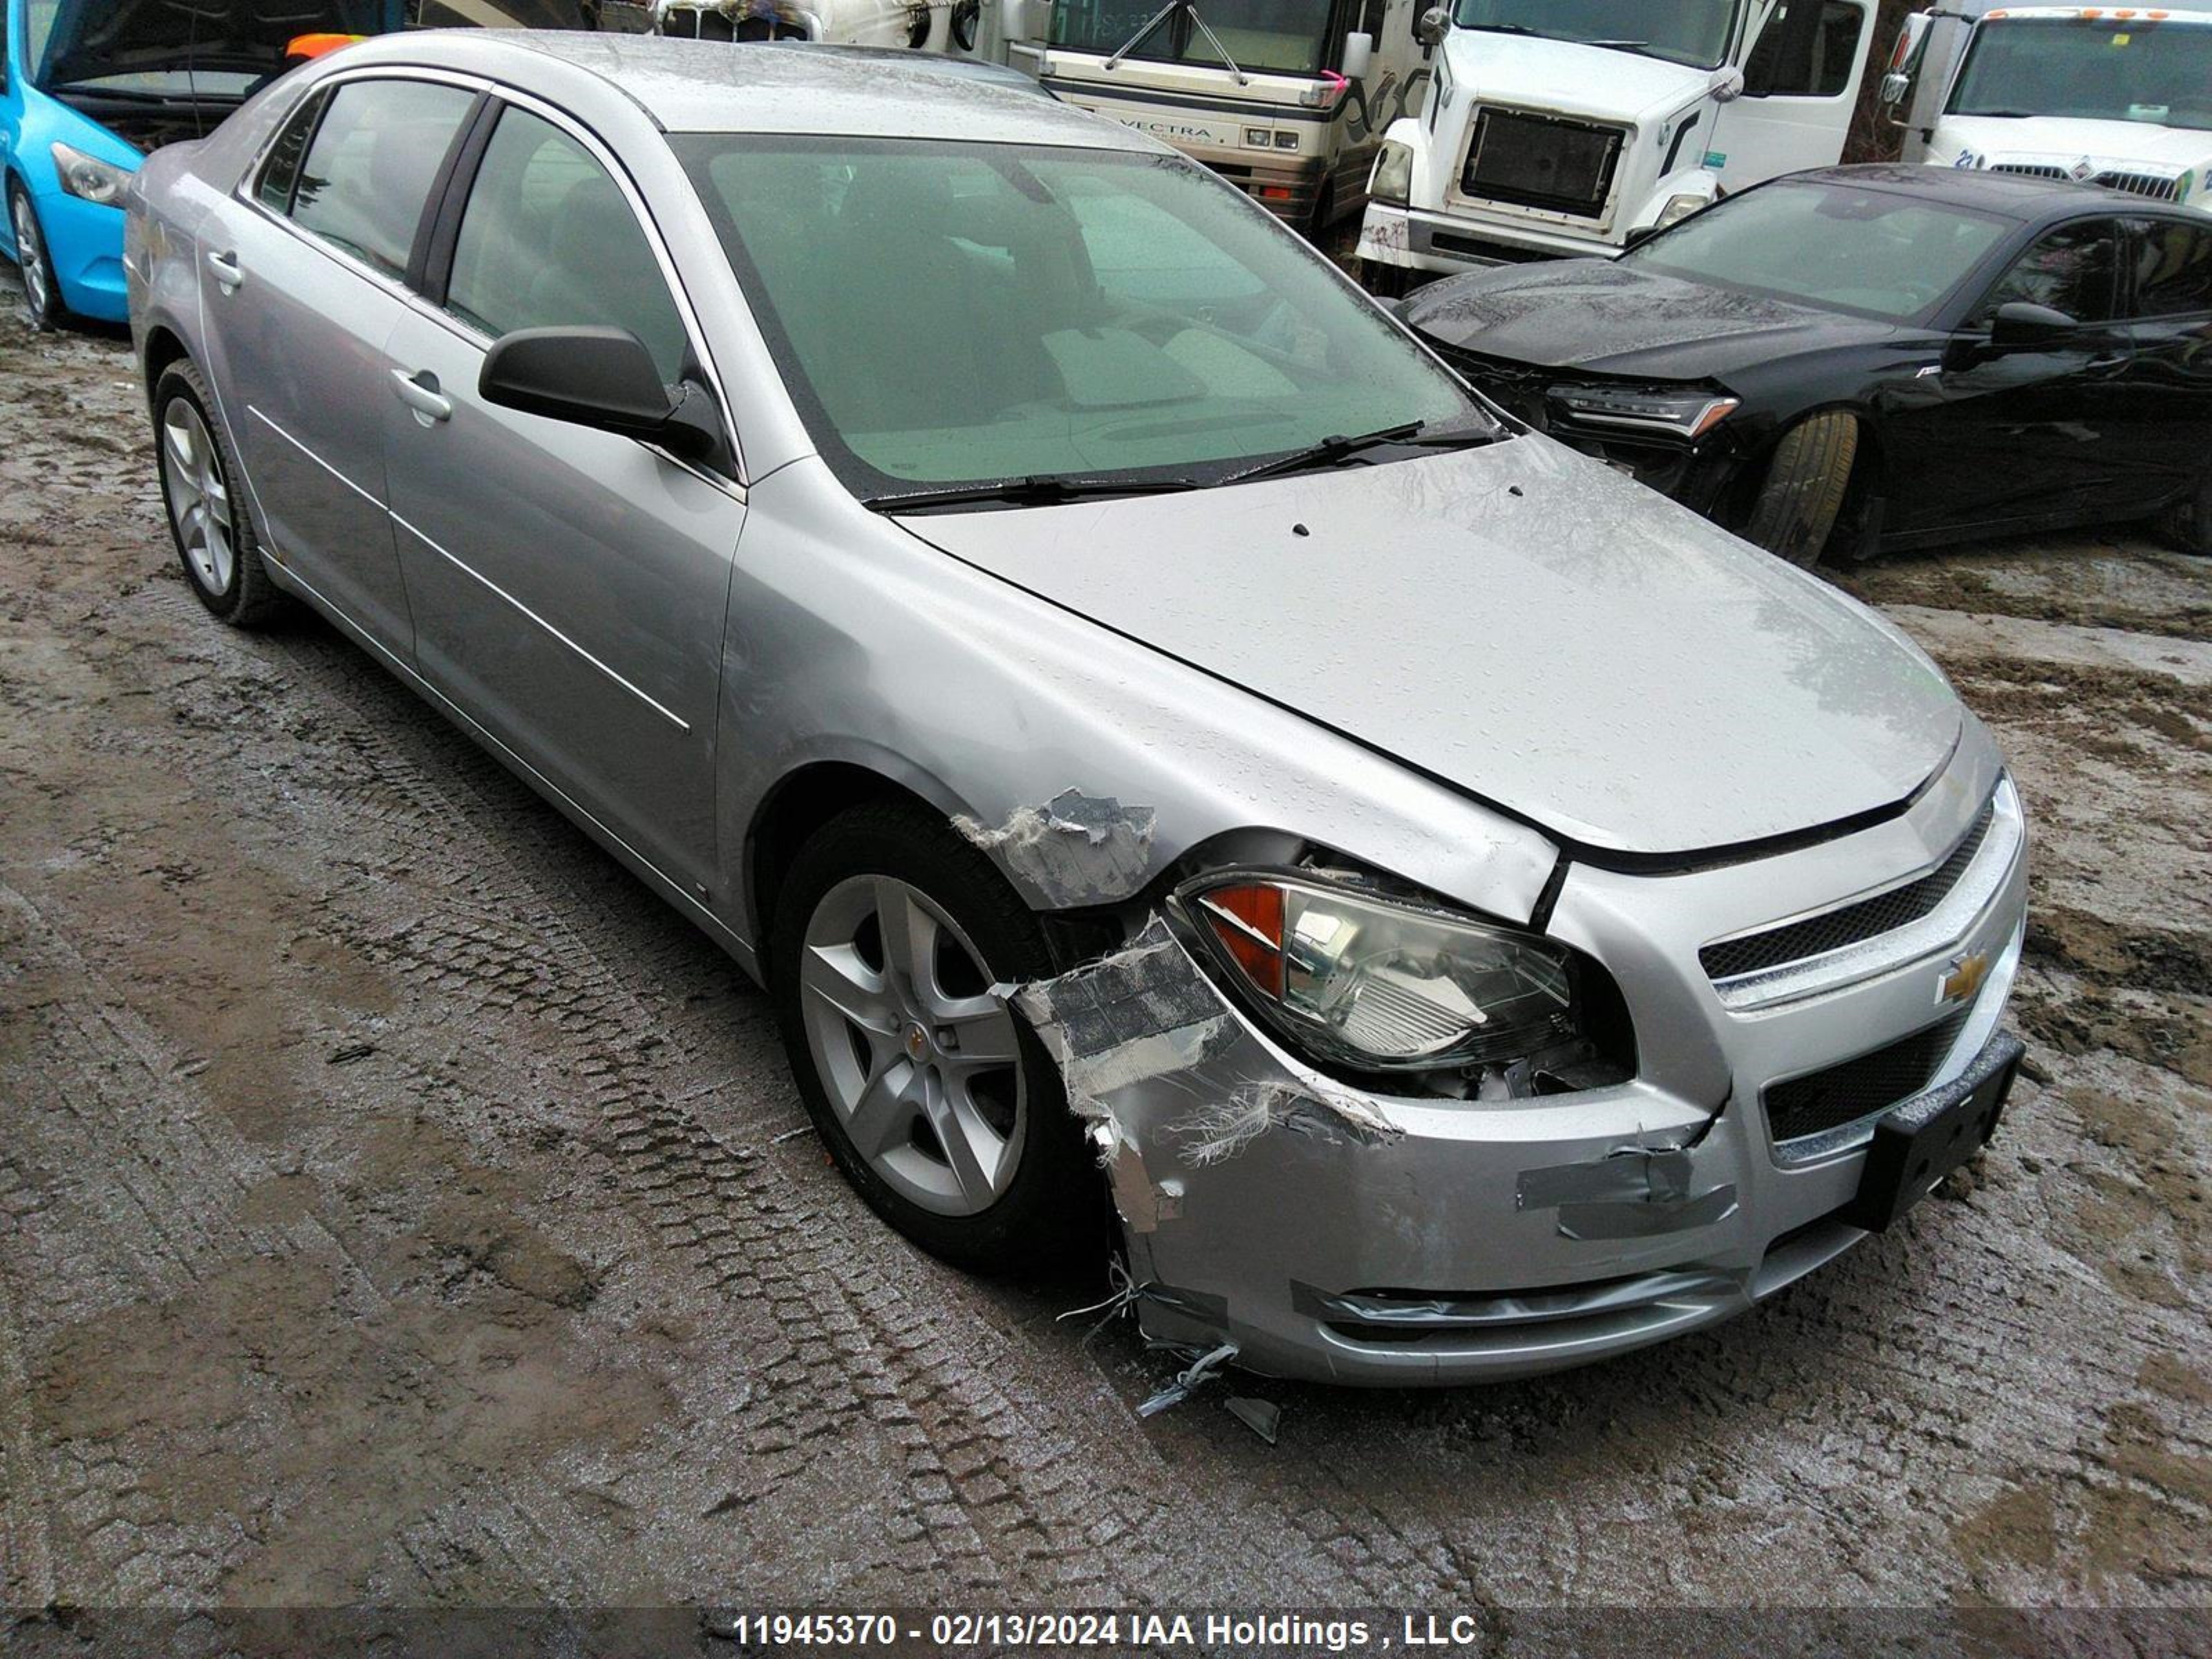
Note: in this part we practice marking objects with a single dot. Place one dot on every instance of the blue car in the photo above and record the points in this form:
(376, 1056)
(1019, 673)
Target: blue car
(92, 85)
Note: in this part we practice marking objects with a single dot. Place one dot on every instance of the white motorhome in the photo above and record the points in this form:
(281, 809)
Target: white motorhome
(2117, 98)
(1286, 98)
(1562, 127)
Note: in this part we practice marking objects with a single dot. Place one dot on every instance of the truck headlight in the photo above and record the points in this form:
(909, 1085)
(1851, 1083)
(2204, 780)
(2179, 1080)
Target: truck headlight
(1685, 411)
(1381, 984)
(89, 178)
(1392, 181)
(1680, 207)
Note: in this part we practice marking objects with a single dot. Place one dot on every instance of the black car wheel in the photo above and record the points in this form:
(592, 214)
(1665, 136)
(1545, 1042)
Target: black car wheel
(2188, 523)
(208, 520)
(1807, 480)
(939, 1102)
(42, 298)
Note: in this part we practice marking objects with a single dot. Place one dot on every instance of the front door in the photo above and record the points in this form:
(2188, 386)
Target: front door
(2171, 374)
(2014, 434)
(569, 585)
(1801, 83)
(317, 254)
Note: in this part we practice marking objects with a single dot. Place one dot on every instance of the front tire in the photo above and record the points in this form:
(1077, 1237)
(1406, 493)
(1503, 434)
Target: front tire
(1807, 482)
(2188, 523)
(42, 297)
(939, 1105)
(208, 520)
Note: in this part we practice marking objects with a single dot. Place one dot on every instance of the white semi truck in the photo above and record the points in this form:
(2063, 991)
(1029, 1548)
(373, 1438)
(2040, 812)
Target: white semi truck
(1554, 128)
(1286, 98)
(2117, 98)
(922, 24)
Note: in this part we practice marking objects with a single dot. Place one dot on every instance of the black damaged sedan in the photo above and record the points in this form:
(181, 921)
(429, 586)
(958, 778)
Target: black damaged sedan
(1868, 359)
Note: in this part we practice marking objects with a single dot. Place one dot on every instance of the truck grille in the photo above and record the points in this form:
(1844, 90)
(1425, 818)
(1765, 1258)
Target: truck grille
(1541, 162)
(1834, 930)
(1830, 1098)
(2157, 188)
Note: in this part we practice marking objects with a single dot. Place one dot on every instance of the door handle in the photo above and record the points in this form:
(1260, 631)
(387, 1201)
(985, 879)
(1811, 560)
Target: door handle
(2117, 360)
(224, 268)
(424, 400)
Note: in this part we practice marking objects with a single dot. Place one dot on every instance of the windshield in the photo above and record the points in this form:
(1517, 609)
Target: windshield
(1862, 250)
(2090, 69)
(1694, 32)
(1288, 36)
(956, 314)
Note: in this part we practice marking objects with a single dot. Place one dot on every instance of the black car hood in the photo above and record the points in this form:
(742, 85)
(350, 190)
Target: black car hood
(92, 40)
(1618, 319)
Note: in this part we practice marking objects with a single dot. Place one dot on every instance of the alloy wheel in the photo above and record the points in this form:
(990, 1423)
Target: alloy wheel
(199, 498)
(919, 1059)
(31, 261)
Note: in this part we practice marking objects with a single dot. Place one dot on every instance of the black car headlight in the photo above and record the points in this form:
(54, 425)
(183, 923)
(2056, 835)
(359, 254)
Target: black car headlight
(1374, 982)
(1683, 412)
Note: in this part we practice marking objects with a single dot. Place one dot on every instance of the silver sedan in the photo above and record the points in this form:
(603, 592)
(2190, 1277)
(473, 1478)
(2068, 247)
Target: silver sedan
(1196, 782)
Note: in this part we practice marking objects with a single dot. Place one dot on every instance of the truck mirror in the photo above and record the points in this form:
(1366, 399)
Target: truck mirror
(1727, 84)
(1359, 56)
(1015, 22)
(1429, 27)
(1894, 86)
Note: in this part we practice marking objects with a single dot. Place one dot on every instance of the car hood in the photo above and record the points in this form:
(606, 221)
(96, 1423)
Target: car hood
(1519, 622)
(1567, 79)
(94, 39)
(1598, 314)
(2053, 141)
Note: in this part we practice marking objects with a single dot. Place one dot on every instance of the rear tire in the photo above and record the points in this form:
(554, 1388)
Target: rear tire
(889, 931)
(2188, 523)
(42, 296)
(208, 517)
(1806, 481)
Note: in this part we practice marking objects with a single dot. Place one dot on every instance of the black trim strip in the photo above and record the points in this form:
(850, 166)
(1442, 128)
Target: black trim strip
(1680, 133)
(1063, 85)
(434, 204)
(429, 274)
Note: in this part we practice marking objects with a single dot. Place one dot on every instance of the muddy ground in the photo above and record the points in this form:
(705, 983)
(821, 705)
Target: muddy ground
(397, 1203)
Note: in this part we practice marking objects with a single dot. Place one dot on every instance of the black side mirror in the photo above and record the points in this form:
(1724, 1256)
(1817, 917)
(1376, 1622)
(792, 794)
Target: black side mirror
(2018, 323)
(595, 376)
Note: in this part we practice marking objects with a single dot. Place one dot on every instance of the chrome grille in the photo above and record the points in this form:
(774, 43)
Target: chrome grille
(1834, 930)
(2157, 188)
(1541, 162)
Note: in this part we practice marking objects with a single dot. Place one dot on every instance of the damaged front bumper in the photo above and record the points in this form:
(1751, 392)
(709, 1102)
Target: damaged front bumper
(1337, 1235)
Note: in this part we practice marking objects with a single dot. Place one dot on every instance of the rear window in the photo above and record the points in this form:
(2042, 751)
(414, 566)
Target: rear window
(2173, 268)
(369, 167)
(1868, 252)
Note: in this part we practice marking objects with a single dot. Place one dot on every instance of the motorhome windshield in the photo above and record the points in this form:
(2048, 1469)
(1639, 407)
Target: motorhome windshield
(2107, 69)
(1288, 37)
(1694, 32)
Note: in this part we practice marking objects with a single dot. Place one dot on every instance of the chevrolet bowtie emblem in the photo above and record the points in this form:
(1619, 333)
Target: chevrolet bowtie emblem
(1963, 977)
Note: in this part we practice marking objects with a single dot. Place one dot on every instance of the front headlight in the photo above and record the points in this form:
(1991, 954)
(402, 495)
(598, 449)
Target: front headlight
(1379, 984)
(1392, 181)
(1685, 411)
(1679, 207)
(89, 178)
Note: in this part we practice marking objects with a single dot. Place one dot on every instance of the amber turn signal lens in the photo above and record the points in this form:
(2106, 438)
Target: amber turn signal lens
(1249, 922)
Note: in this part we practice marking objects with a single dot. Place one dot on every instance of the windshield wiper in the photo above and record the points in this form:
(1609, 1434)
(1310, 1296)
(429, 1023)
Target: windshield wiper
(1499, 28)
(1038, 490)
(1330, 450)
(1617, 45)
(1190, 8)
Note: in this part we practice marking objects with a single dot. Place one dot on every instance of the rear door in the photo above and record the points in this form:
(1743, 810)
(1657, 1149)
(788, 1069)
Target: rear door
(2171, 377)
(2015, 434)
(1801, 83)
(301, 284)
(569, 585)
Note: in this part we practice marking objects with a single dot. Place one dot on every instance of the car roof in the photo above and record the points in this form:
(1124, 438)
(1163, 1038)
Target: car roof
(718, 86)
(2010, 194)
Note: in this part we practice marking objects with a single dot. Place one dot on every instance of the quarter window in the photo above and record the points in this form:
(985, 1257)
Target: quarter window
(2075, 269)
(548, 241)
(2173, 268)
(282, 170)
(369, 169)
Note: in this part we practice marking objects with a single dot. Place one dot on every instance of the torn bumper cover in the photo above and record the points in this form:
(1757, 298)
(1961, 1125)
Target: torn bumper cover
(1337, 1235)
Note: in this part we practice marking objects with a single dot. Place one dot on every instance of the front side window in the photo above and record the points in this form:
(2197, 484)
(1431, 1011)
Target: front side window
(1290, 37)
(2173, 268)
(1693, 32)
(1870, 252)
(1806, 49)
(548, 241)
(950, 314)
(2075, 269)
(369, 168)
(2112, 67)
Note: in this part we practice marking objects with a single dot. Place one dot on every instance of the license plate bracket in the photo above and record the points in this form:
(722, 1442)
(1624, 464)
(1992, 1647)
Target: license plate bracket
(1918, 1143)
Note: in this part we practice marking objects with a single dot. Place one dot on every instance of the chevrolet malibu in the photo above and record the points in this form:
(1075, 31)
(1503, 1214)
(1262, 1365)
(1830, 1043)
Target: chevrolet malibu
(1178, 761)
